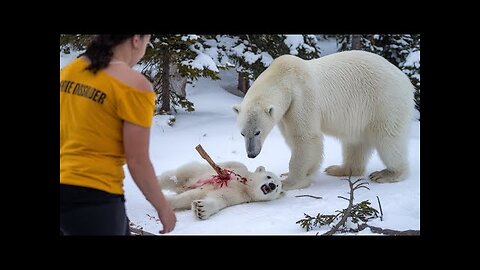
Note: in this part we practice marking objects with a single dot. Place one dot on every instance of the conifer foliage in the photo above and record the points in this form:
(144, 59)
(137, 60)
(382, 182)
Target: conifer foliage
(70, 43)
(252, 54)
(176, 54)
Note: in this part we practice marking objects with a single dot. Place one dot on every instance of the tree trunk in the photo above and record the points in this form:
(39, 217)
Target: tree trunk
(177, 82)
(243, 84)
(165, 109)
(356, 42)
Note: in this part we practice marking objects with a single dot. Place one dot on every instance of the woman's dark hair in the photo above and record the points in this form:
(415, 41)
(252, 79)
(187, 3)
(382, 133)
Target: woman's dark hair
(99, 50)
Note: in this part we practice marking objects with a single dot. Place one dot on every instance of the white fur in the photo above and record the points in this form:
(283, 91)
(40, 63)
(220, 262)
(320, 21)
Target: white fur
(206, 200)
(358, 97)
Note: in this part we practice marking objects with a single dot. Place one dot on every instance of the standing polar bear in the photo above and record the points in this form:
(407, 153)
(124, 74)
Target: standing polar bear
(205, 194)
(358, 97)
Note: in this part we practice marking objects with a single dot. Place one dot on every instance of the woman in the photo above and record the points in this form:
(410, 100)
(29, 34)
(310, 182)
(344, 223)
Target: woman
(106, 110)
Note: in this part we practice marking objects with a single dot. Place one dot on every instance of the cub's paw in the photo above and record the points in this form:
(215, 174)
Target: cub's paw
(203, 209)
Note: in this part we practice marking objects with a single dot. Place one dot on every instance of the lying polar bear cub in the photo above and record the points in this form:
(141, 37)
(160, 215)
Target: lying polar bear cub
(199, 187)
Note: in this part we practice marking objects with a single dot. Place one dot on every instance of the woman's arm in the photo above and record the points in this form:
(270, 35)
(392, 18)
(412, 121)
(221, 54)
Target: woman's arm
(136, 142)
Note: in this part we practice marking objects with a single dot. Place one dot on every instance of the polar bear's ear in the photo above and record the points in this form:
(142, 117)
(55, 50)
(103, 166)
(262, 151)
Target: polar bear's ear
(269, 110)
(260, 169)
(236, 108)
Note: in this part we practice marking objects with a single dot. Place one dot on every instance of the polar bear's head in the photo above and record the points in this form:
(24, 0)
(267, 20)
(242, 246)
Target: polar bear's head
(266, 186)
(255, 124)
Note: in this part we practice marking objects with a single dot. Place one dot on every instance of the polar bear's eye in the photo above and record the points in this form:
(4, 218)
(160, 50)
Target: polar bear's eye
(257, 133)
(269, 177)
(243, 134)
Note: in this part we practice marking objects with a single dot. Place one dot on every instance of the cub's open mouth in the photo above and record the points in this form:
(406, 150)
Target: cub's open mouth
(267, 188)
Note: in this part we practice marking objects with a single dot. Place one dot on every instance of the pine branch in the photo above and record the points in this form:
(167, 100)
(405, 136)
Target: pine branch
(357, 212)
(346, 212)
(319, 221)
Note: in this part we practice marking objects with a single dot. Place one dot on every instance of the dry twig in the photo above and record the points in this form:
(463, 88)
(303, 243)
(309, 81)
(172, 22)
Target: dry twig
(315, 197)
(380, 206)
(136, 231)
(387, 231)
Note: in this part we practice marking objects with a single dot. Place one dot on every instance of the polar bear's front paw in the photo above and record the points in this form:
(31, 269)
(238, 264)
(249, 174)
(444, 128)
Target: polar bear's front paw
(385, 176)
(336, 170)
(289, 184)
(203, 209)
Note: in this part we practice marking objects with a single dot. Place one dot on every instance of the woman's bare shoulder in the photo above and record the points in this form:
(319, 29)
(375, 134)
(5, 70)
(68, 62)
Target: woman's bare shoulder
(130, 77)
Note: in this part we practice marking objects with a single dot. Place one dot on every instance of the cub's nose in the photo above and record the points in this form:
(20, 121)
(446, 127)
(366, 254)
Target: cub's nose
(272, 186)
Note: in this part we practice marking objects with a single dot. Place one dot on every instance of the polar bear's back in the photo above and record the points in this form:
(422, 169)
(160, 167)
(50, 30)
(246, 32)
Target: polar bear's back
(359, 73)
(360, 90)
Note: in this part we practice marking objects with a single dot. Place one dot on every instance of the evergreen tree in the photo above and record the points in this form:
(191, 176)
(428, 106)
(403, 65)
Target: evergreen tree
(252, 54)
(172, 54)
(184, 53)
(344, 42)
(411, 66)
(303, 46)
(69, 43)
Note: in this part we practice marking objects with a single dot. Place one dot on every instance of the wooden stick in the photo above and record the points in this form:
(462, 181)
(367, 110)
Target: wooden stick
(205, 156)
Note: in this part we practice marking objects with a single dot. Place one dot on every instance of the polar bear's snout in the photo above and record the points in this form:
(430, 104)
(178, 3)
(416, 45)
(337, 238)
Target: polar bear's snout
(253, 146)
(267, 188)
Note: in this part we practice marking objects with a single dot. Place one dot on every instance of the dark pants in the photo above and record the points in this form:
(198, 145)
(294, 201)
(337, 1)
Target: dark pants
(86, 211)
